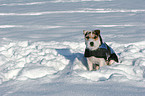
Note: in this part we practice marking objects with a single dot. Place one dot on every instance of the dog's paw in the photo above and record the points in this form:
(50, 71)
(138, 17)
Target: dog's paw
(110, 62)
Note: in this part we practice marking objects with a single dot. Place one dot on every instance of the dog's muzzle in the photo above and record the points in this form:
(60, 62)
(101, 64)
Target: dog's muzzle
(92, 43)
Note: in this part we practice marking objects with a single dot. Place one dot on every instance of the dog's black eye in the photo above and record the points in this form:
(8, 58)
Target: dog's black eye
(87, 37)
(95, 37)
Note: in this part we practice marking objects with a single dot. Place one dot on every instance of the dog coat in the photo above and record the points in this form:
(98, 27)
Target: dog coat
(104, 51)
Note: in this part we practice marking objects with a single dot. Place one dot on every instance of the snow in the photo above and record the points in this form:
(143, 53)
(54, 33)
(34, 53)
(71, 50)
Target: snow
(63, 62)
(42, 47)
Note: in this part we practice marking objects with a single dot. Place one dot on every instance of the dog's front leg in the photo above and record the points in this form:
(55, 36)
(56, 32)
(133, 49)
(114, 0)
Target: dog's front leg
(90, 64)
(102, 62)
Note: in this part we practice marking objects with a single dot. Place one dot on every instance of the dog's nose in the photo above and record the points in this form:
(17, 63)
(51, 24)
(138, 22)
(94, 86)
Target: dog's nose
(92, 43)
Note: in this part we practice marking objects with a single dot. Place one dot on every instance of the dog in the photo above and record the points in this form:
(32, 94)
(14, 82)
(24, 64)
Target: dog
(97, 53)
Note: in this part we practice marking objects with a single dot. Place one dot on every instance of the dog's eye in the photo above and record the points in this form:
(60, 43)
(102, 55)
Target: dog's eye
(87, 37)
(95, 37)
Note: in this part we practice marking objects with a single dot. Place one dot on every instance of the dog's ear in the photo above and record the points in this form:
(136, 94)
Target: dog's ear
(97, 32)
(84, 31)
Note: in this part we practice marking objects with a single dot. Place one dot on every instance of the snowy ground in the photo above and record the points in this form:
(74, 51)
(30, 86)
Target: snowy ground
(42, 46)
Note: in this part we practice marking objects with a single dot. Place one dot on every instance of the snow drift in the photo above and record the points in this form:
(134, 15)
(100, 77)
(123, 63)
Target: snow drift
(23, 60)
(54, 65)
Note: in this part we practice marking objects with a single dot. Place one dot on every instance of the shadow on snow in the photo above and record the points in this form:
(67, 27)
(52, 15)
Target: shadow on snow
(72, 56)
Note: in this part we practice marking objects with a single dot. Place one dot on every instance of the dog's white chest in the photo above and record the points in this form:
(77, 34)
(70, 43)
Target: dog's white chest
(98, 61)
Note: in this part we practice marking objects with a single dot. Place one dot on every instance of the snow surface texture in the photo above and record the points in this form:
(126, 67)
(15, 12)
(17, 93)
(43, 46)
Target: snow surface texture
(46, 20)
(32, 60)
(42, 47)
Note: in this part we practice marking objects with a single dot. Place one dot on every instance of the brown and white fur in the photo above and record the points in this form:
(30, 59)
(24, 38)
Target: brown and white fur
(93, 40)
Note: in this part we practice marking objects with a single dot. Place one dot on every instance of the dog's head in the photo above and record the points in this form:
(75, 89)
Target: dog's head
(92, 39)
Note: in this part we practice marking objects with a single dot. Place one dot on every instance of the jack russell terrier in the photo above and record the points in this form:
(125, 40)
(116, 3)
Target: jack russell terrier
(97, 53)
